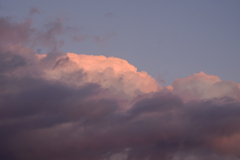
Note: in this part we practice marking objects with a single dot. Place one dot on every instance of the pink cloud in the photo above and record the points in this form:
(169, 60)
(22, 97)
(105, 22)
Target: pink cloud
(109, 72)
(204, 86)
(14, 33)
(228, 144)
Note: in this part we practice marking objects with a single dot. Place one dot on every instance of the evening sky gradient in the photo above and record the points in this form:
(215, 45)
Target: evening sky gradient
(119, 80)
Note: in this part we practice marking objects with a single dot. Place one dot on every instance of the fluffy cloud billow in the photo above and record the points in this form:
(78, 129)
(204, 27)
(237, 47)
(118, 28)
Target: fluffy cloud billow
(70, 106)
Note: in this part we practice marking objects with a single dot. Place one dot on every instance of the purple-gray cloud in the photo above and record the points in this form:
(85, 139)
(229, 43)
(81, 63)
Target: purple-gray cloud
(34, 10)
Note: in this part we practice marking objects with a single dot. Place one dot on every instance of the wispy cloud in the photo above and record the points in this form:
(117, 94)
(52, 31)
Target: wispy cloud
(34, 10)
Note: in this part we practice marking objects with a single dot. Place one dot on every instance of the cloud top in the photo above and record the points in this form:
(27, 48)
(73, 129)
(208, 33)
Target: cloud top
(203, 86)
(109, 72)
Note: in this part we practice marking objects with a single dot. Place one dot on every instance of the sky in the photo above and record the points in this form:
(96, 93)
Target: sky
(119, 80)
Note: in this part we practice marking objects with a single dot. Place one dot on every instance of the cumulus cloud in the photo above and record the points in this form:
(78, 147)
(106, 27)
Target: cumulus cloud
(203, 86)
(75, 106)
(110, 72)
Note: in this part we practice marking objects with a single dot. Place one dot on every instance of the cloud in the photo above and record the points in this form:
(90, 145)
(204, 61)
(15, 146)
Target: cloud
(109, 72)
(203, 86)
(33, 11)
(47, 37)
(75, 106)
(79, 38)
(102, 42)
(14, 33)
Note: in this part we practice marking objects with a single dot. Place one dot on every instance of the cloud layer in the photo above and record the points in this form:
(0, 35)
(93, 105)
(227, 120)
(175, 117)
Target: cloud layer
(75, 106)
